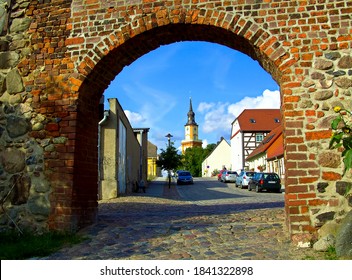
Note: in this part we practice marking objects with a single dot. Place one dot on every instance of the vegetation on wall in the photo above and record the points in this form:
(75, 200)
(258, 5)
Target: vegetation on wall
(342, 136)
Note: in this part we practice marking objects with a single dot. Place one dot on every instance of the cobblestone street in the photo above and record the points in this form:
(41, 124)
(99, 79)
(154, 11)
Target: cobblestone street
(159, 225)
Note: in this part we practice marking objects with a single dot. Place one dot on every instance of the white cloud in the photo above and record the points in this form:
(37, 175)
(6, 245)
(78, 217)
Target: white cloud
(203, 107)
(268, 100)
(219, 116)
(134, 118)
(205, 143)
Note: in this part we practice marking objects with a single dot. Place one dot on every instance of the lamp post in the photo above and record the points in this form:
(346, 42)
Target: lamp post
(169, 138)
(169, 145)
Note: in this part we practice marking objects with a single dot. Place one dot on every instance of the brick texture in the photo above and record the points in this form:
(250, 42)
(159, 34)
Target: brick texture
(79, 46)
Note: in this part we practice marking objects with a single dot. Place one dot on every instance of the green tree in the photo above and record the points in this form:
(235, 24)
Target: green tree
(193, 158)
(169, 159)
(209, 149)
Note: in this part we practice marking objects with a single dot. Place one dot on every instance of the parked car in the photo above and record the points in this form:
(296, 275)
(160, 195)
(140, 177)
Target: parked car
(268, 181)
(184, 177)
(178, 171)
(243, 178)
(229, 176)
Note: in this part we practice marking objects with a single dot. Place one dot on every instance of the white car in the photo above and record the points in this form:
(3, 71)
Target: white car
(229, 176)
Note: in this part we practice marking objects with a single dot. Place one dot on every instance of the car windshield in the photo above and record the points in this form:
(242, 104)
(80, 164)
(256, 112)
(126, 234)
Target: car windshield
(184, 174)
(232, 172)
(250, 174)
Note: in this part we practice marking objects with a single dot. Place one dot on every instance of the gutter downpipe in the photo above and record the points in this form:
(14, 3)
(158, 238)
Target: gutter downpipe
(106, 115)
(140, 131)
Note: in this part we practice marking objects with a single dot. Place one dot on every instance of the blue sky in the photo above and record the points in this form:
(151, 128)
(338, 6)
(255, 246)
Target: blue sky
(154, 91)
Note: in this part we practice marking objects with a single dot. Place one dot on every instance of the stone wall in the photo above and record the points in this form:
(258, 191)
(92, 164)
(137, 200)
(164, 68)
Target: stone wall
(58, 57)
(24, 188)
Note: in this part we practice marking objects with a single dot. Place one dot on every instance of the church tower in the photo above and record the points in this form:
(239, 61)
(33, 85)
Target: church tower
(191, 131)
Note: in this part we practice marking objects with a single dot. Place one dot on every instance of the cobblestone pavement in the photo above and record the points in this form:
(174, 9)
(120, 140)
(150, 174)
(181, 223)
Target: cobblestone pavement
(162, 226)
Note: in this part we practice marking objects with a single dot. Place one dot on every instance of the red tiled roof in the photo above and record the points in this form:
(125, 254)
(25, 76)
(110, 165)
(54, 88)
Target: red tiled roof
(276, 149)
(259, 119)
(267, 142)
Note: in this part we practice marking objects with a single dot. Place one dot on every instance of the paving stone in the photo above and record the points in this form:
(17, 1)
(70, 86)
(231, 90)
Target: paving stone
(140, 228)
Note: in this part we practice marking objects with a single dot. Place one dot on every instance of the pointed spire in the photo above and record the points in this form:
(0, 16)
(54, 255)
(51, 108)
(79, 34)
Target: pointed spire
(190, 114)
(190, 104)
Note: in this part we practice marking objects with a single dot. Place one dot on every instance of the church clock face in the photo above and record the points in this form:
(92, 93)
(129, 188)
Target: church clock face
(187, 132)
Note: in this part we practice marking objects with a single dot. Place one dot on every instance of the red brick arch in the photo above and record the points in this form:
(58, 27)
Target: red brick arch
(99, 38)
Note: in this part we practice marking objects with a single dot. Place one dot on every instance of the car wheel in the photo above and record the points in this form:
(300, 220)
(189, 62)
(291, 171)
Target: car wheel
(257, 189)
(249, 188)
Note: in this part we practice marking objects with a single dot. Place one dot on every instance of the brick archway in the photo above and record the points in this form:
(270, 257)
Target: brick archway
(99, 66)
(78, 47)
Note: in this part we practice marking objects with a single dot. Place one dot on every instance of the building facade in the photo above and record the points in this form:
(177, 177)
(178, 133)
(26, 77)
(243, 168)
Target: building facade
(153, 170)
(248, 130)
(191, 131)
(219, 158)
(122, 159)
(269, 155)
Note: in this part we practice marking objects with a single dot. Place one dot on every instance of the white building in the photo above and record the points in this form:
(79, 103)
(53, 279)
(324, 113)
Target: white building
(248, 130)
(219, 158)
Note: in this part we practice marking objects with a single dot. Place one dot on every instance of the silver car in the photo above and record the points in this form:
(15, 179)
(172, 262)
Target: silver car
(243, 178)
(229, 176)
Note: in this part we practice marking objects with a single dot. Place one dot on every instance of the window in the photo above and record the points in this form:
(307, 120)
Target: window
(276, 120)
(252, 121)
(259, 137)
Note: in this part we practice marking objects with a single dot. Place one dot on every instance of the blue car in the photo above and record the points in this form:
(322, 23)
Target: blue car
(184, 177)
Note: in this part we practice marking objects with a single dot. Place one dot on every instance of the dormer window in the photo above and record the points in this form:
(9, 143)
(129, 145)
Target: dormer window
(252, 121)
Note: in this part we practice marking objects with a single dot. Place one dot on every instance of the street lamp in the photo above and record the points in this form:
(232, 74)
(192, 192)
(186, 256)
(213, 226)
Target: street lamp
(169, 171)
(169, 138)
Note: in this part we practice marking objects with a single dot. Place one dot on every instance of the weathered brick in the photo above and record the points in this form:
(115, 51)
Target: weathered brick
(331, 176)
(317, 135)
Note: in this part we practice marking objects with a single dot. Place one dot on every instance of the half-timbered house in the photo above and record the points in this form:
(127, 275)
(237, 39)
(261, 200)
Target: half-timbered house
(248, 130)
(269, 155)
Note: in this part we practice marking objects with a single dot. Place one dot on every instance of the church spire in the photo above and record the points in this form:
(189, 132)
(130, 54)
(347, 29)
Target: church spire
(190, 114)
(191, 131)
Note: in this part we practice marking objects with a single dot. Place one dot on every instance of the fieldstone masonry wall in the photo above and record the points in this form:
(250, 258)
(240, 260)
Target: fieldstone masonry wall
(58, 57)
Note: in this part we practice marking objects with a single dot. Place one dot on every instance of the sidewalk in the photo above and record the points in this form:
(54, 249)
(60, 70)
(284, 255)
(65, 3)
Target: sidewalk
(159, 187)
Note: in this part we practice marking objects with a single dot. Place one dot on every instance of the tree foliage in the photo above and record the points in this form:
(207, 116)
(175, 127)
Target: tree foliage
(193, 158)
(169, 159)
